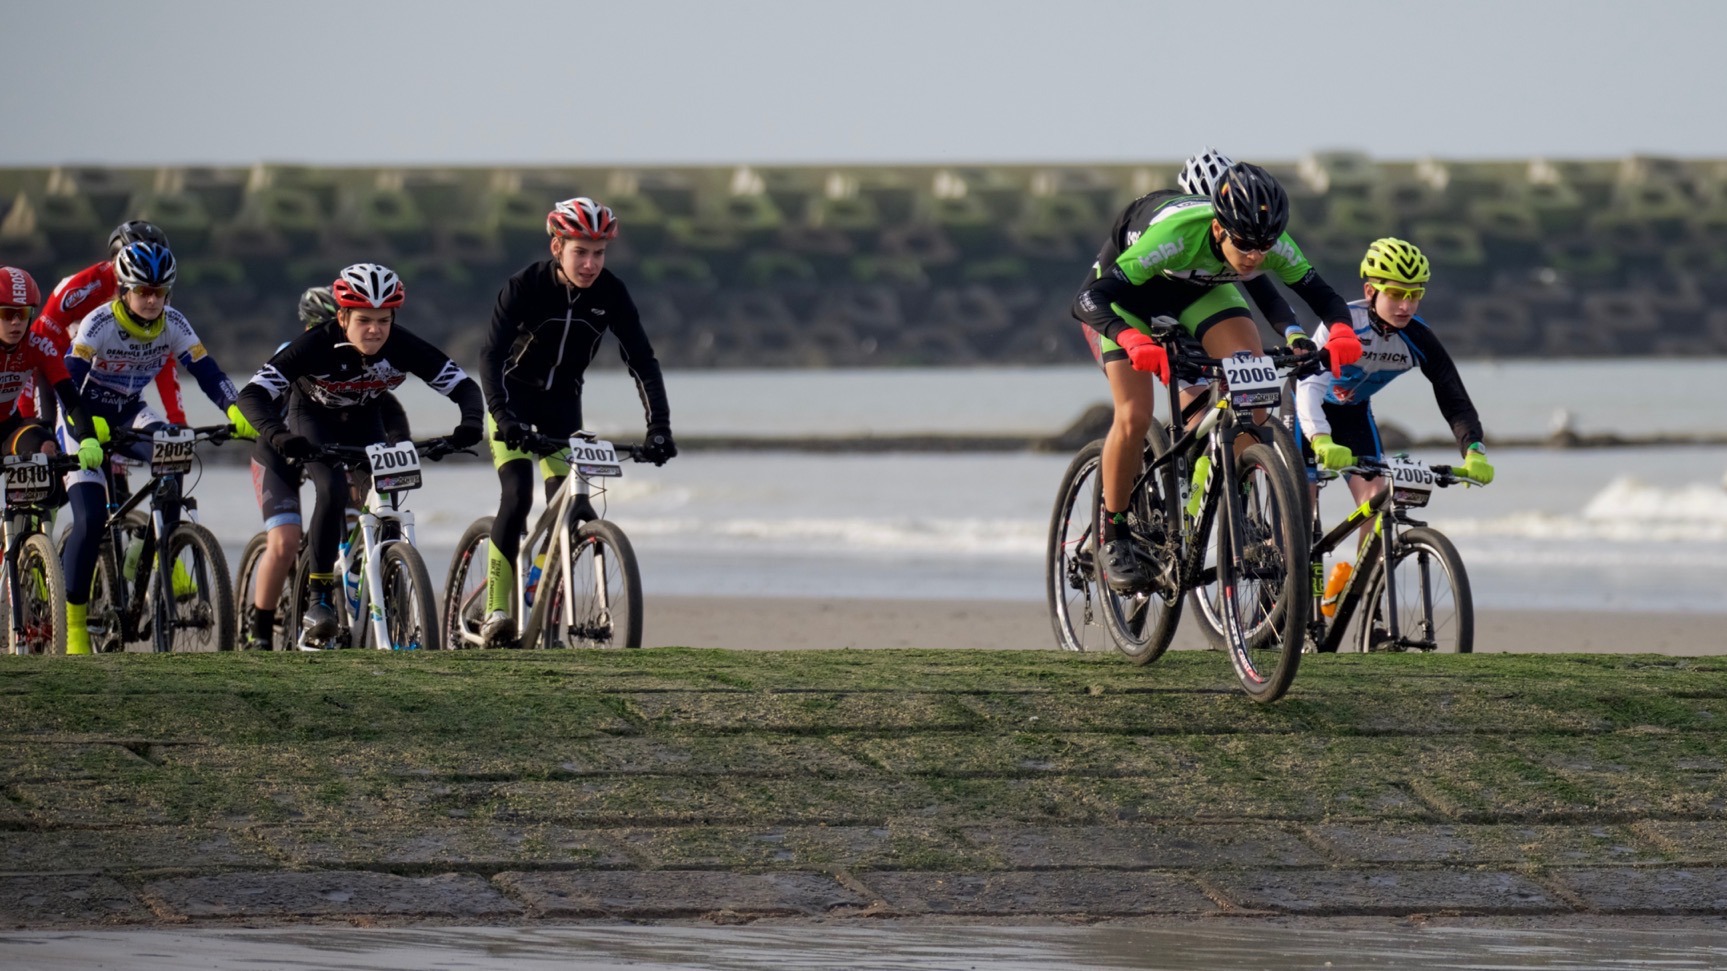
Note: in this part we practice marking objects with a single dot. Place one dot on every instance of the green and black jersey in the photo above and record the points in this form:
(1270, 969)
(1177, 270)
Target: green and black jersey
(1161, 261)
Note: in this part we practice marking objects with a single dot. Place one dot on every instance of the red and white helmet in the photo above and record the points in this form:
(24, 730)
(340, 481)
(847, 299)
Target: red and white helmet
(18, 289)
(581, 218)
(369, 285)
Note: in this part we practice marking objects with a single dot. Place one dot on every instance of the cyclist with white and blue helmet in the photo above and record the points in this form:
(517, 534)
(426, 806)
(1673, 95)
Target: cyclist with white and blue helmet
(117, 351)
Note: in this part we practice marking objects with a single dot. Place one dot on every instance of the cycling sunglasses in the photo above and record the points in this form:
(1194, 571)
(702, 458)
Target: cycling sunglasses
(1402, 293)
(1251, 245)
(148, 292)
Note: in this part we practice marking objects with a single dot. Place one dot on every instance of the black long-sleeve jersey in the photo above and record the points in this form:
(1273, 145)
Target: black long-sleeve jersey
(332, 379)
(545, 334)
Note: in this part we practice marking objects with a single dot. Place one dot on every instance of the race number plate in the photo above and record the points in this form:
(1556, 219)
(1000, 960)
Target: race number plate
(1411, 481)
(594, 458)
(1253, 381)
(395, 468)
(27, 479)
(171, 451)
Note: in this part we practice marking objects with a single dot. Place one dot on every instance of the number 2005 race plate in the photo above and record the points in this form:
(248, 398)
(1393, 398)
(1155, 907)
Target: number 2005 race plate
(595, 458)
(395, 468)
(1411, 481)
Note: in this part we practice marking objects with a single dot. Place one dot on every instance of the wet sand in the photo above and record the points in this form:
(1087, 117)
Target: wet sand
(791, 623)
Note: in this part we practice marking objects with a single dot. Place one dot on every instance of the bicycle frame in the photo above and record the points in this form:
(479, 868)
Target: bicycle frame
(18, 522)
(1378, 546)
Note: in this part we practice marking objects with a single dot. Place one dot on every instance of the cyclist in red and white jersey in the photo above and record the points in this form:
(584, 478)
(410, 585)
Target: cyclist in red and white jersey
(74, 298)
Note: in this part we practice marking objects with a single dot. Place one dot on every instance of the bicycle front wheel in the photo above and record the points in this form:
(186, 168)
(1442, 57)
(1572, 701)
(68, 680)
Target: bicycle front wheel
(1435, 609)
(410, 612)
(41, 587)
(1070, 565)
(1266, 580)
(200, 613)
(605, 588)
(465, 587)
(1143, 623)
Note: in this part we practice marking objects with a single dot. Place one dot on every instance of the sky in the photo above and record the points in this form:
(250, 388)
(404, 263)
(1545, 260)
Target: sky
(668, 82)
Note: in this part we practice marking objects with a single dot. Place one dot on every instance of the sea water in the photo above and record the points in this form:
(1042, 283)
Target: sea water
(1608, 529)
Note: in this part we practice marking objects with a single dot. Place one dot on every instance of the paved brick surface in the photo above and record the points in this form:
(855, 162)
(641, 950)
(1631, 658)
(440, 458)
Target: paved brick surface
(1386, 891)
(68, 899)
(1101, 892)
(329, 893)
(1667, 890)
(676, 893)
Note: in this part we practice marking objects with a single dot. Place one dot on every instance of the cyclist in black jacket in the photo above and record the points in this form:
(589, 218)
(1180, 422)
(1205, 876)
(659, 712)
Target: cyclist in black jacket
(338, 371)
(546, 330)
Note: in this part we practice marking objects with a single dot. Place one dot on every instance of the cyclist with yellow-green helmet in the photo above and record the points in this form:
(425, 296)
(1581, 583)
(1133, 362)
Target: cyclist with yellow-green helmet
(1335, 413)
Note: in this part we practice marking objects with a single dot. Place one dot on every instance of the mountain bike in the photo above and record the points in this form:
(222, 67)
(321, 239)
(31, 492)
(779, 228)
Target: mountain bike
(169, 587)
(577, 582)
(385, 595)
(33, 610)
(1196, 499)
(1423, 602)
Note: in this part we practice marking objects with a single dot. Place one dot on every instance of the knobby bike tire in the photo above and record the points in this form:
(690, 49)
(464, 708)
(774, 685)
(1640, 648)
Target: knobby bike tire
(203, 617)
(598, 549)
(1274, 526)
(1451, 628)
(465, 587)
(105, 608)
(1070, 562)
(245, 594)
(1143, 623)
(1269, 619)
(410, 607)
(41, 585)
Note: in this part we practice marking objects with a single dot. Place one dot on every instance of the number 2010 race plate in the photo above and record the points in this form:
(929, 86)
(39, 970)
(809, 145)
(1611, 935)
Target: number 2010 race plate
(395, 468)
(27, 479)
(595, 458)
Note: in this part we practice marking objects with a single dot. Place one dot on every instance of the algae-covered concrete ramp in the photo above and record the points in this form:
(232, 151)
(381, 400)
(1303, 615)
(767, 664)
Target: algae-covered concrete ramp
(512, 787)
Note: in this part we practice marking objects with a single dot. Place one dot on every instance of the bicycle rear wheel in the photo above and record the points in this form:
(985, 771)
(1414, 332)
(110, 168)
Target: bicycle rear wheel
(105, 608)
(1070, 564)
(410, 612)
(200, 611)
(465, 586)
(1143, 623)
(41, 600)
(246, 593)
(605, 587)
(1270, 571)
(1435, 609)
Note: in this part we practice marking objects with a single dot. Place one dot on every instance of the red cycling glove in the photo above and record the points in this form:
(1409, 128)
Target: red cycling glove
(1148, 355)
(1344, 346)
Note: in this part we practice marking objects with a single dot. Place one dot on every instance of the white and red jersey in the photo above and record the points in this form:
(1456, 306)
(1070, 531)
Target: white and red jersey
(112, 364)
(72, 300)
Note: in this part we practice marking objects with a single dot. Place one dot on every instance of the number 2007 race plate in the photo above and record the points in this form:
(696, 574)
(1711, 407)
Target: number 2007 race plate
(395, 468)
(596, 458)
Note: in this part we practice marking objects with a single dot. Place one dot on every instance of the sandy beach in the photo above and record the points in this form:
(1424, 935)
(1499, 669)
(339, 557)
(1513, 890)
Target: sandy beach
(790, 623)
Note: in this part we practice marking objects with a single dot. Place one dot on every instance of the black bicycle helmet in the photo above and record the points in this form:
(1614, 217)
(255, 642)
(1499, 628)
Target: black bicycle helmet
(136, 231)
(317, 306)
(1250, 205)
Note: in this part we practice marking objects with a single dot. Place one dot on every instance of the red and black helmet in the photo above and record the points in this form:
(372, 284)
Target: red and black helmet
(369, 285)
(581, 218)
(18, 289)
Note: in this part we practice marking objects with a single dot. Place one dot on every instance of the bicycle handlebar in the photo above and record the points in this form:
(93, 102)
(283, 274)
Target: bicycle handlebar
(431, 448)
(1372, 468)
(202, 433)
(543, 445)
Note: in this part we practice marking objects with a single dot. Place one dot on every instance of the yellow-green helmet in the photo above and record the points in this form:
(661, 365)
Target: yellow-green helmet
(1396, 261)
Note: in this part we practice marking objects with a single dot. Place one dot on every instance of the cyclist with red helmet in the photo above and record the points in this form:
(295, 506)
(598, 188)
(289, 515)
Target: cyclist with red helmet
(546, 330)
(1179, 266)
(338, 372)
(24, 357)
(118, 350)
(74, 297)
